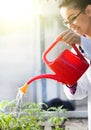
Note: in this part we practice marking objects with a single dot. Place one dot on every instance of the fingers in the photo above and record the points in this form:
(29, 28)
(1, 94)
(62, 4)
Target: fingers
(69, 37)
(61, 35)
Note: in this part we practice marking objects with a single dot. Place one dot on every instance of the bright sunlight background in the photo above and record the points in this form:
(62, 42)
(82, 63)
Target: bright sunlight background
(16, 9)
(16, 13)
(19, 45)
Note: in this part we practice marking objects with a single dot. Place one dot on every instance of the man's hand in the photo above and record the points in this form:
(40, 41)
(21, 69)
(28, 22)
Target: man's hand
(69, 37)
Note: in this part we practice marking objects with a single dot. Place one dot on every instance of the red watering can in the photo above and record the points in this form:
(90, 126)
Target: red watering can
(67, 67)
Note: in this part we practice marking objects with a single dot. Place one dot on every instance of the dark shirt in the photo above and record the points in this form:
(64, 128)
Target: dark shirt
(73, 88)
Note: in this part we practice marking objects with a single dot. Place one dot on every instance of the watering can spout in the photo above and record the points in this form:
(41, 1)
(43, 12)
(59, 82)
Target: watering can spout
(24, 88)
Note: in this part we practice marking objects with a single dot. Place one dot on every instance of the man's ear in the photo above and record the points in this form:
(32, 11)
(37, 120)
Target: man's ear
(88, 10)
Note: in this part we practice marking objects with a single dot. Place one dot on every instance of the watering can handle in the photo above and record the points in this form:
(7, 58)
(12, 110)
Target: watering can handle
(50, 47)
(78, 52)
(53, 44)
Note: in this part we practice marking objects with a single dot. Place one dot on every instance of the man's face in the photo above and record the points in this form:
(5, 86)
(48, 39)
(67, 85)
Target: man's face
(75, 19)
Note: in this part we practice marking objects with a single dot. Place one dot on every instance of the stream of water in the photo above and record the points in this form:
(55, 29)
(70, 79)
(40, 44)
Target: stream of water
(19, 100)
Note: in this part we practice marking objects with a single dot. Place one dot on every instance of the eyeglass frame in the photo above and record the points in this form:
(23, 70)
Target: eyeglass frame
(72, 19)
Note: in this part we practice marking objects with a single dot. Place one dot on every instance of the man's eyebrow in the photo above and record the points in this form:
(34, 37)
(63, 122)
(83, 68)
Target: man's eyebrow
(70, 16)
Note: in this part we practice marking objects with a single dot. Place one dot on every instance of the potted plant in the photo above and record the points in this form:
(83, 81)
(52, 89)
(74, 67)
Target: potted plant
(29, 117)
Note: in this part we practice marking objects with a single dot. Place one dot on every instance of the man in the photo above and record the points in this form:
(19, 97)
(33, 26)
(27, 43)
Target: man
(76, 16)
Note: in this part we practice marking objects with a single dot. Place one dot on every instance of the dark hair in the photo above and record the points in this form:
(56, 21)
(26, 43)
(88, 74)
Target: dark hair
(78, 4)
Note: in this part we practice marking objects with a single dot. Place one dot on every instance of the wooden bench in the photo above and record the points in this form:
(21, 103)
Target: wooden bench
(77, 120)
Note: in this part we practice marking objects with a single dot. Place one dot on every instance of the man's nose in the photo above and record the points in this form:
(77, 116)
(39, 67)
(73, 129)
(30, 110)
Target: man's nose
(71, 26)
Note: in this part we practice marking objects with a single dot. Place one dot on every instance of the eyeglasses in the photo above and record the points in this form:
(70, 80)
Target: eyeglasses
(72, 19)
